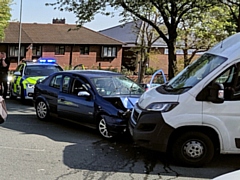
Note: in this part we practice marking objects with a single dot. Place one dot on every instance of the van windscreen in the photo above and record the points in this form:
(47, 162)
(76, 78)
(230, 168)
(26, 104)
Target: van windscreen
(195, 72)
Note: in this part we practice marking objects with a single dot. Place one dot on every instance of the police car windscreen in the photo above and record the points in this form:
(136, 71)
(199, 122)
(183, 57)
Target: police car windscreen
(41, 70)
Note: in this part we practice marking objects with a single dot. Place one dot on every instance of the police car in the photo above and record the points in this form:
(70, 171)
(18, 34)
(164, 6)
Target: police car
(26, 75)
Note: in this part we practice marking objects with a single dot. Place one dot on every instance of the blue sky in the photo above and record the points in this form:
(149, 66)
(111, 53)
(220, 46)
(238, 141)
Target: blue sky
(36, 11)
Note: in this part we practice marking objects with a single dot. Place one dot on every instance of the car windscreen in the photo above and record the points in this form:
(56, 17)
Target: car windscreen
(42, 70)
(116, 85)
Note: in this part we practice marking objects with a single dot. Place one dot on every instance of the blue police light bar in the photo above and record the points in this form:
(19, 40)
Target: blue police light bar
(46, 60)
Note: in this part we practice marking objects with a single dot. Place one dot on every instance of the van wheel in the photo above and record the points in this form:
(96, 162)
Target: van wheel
(102, 129)
(193, 149)
(42, 110)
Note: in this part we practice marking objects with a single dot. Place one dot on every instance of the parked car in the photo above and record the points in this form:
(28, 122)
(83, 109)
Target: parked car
(22, 81)
(95, 98)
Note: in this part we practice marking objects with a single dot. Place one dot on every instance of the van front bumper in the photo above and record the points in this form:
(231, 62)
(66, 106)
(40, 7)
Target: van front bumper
(149, 130)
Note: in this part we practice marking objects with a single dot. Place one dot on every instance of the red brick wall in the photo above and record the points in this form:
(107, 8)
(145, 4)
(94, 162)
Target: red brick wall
(90, 61)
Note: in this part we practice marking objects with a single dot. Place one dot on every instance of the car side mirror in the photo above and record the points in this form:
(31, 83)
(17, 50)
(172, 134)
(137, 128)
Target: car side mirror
(17, 73)
(216, 93)
(83, 93)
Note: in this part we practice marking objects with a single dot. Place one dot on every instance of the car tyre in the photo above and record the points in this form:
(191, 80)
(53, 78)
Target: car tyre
(42, 110)
(103, 130)
(193, 149)
(11, 95)
(22, 94)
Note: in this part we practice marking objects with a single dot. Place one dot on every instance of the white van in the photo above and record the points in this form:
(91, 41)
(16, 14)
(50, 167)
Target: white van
(197, 113)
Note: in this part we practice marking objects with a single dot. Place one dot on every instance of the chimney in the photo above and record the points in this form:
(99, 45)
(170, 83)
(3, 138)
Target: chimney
(58, 21)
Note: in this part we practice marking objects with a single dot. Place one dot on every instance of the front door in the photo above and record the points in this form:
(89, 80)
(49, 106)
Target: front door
(225, 117)
(73, 107)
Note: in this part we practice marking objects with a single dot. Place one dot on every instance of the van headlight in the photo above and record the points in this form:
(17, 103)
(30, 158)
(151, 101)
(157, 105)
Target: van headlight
(162, 106)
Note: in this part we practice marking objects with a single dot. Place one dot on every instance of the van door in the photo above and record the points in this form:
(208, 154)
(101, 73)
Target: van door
(225, 117)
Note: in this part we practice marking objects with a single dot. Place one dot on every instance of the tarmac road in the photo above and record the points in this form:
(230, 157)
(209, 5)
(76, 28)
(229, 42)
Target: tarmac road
(57, 150)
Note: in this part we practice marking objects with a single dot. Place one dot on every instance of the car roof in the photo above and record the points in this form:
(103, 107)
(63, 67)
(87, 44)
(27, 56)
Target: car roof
(41, 64)
(31, 62)
(93, 73)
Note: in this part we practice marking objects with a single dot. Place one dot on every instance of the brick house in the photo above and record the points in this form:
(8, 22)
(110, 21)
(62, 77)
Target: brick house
(129, 33)
(60, 41)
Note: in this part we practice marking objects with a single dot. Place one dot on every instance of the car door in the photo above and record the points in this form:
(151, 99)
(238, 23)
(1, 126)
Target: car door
(71, 105)
(17, 76)
(52, 92)
(225, 116)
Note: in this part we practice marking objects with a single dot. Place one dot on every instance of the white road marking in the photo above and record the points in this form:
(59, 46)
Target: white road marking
(24, 149)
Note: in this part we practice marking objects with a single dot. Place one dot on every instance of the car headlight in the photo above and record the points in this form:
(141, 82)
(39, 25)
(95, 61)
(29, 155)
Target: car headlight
(162, 106)
(30, 85)
(9, 78)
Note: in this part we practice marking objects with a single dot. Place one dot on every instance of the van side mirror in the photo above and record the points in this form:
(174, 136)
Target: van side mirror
(216, 93)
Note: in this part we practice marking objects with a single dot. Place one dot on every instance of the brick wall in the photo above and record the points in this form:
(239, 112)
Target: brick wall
(91, 61)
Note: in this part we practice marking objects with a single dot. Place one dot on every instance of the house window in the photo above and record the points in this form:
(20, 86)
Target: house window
(84, 50)
(36, 50)
(59, 50)
(13, 51)
(109, 51)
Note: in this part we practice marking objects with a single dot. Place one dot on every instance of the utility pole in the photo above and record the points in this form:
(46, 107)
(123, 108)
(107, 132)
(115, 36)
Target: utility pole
(20, 34)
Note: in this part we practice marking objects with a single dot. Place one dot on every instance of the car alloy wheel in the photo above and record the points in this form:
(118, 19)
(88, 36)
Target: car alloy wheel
(102, 128)
(42, 110)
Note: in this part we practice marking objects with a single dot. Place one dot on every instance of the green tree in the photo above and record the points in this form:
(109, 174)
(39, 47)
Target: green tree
(199, 32)
(171, 11)
(5, 16)
(234, 8)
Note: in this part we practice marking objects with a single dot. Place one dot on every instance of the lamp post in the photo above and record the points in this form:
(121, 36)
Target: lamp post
(20, 34)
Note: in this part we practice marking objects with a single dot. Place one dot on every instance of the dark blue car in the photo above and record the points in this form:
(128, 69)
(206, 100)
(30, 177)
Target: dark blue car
(95, 98)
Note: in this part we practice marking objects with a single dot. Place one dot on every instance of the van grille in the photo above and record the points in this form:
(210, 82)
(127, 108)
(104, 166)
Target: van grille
(135, 116)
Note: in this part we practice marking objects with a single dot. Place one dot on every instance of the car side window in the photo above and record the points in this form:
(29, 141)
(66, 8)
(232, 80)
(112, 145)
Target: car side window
(77, 87)
(20, 68)
(56, 82)
(66, 84)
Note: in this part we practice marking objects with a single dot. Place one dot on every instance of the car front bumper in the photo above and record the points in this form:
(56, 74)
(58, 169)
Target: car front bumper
(28, 93)
(116, 125)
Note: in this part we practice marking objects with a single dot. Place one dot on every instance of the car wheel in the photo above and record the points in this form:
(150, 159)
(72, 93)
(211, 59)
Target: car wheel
(42, 110)
(102, 128)
(22, 94)
(11, 95)
(193, 149)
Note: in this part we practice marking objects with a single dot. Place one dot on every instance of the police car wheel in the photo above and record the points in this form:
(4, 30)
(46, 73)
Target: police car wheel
(102, 128)
(22, 93)
(11, 95)
(42, 110)
(193, 149)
